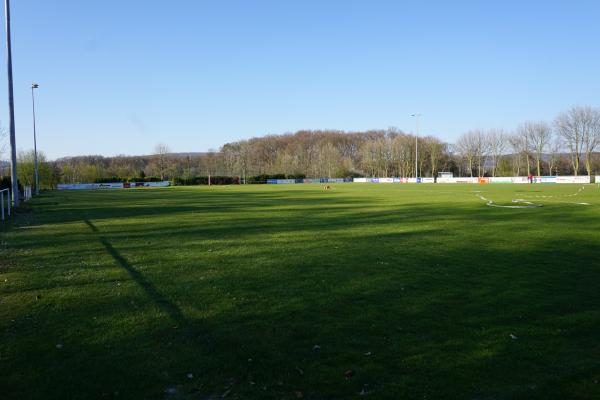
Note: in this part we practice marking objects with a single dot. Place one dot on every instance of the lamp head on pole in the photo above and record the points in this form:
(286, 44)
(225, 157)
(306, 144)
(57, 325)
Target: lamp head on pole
(35, 86)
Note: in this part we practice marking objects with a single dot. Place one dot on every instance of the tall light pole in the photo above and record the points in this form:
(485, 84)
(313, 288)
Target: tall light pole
(35, 160)
(417, 146)
(11, 108)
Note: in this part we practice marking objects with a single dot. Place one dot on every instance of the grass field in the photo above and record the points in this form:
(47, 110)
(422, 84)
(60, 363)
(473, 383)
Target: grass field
(286, 292)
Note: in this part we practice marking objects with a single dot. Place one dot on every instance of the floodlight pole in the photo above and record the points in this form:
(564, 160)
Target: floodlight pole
(11, 108)
(417, 146)
(35, 158)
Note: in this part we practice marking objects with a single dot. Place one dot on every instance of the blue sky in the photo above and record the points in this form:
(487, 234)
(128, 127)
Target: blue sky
(118, 77)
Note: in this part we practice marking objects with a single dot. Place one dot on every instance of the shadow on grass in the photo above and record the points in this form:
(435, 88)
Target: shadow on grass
(161, 301)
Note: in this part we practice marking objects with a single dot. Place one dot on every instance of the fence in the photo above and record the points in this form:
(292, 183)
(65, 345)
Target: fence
(27, 193)
(307, 180)
(110, 185)
(484, 180)
(5, 205)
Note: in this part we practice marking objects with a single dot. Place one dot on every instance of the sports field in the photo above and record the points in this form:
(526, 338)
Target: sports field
(287, 292)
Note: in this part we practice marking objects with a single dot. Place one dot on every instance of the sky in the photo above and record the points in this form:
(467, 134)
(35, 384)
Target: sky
(119, 77)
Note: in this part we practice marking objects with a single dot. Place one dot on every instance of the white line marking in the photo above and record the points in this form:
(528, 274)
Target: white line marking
(527, 204)
(557, 195)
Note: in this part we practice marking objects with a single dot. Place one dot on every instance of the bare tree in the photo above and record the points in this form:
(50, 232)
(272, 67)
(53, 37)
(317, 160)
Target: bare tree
(435, 149)
(369, 159)
(591, 135)
(161, 152)
(555, 148)
(518, 146)
(466, 148)
(473, 147)
(497, 141)
(523, 141)
(538, 136)
(243, 162)
(571, 126)
(403, 155)
(482, 151)
(3, 144)
(383, 150)
(328, 160)
(212, 163)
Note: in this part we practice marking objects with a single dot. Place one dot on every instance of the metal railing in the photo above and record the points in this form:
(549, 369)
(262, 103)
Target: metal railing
(27, 193)
(5, 205)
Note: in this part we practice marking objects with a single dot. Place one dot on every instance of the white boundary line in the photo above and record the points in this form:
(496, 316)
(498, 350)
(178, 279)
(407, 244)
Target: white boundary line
(526, 204)
(569, 202)
(558, 195)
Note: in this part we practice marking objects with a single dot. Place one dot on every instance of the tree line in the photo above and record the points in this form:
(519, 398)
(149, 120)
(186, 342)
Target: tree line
(566, 146)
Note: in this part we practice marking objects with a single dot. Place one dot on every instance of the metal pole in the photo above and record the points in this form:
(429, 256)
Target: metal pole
(35, 159)
(11, 109)
(417, 149)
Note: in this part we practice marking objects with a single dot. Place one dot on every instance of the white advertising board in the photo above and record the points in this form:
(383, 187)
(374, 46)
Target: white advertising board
(467, 180)
(280, 181)
(572, 179)
(457, 180)
(111, 185)
(157, 184)
(76, 186)
(386, 180)
(496, 179)
(118, 185)
(544, 179)
(520, 179)
(89, 186)
(501, 179)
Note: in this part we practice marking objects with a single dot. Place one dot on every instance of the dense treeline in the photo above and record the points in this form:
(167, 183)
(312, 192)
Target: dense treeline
(568, 146)
(334, 154)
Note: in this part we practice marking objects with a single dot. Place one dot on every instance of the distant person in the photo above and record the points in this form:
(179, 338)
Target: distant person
(530, 178)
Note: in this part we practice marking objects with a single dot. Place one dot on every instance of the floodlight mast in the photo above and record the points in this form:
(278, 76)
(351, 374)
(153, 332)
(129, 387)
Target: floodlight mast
(11, 108)
(417, 146)
(35, 158)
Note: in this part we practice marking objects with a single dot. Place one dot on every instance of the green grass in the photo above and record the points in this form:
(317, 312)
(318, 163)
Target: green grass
(415, 288)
